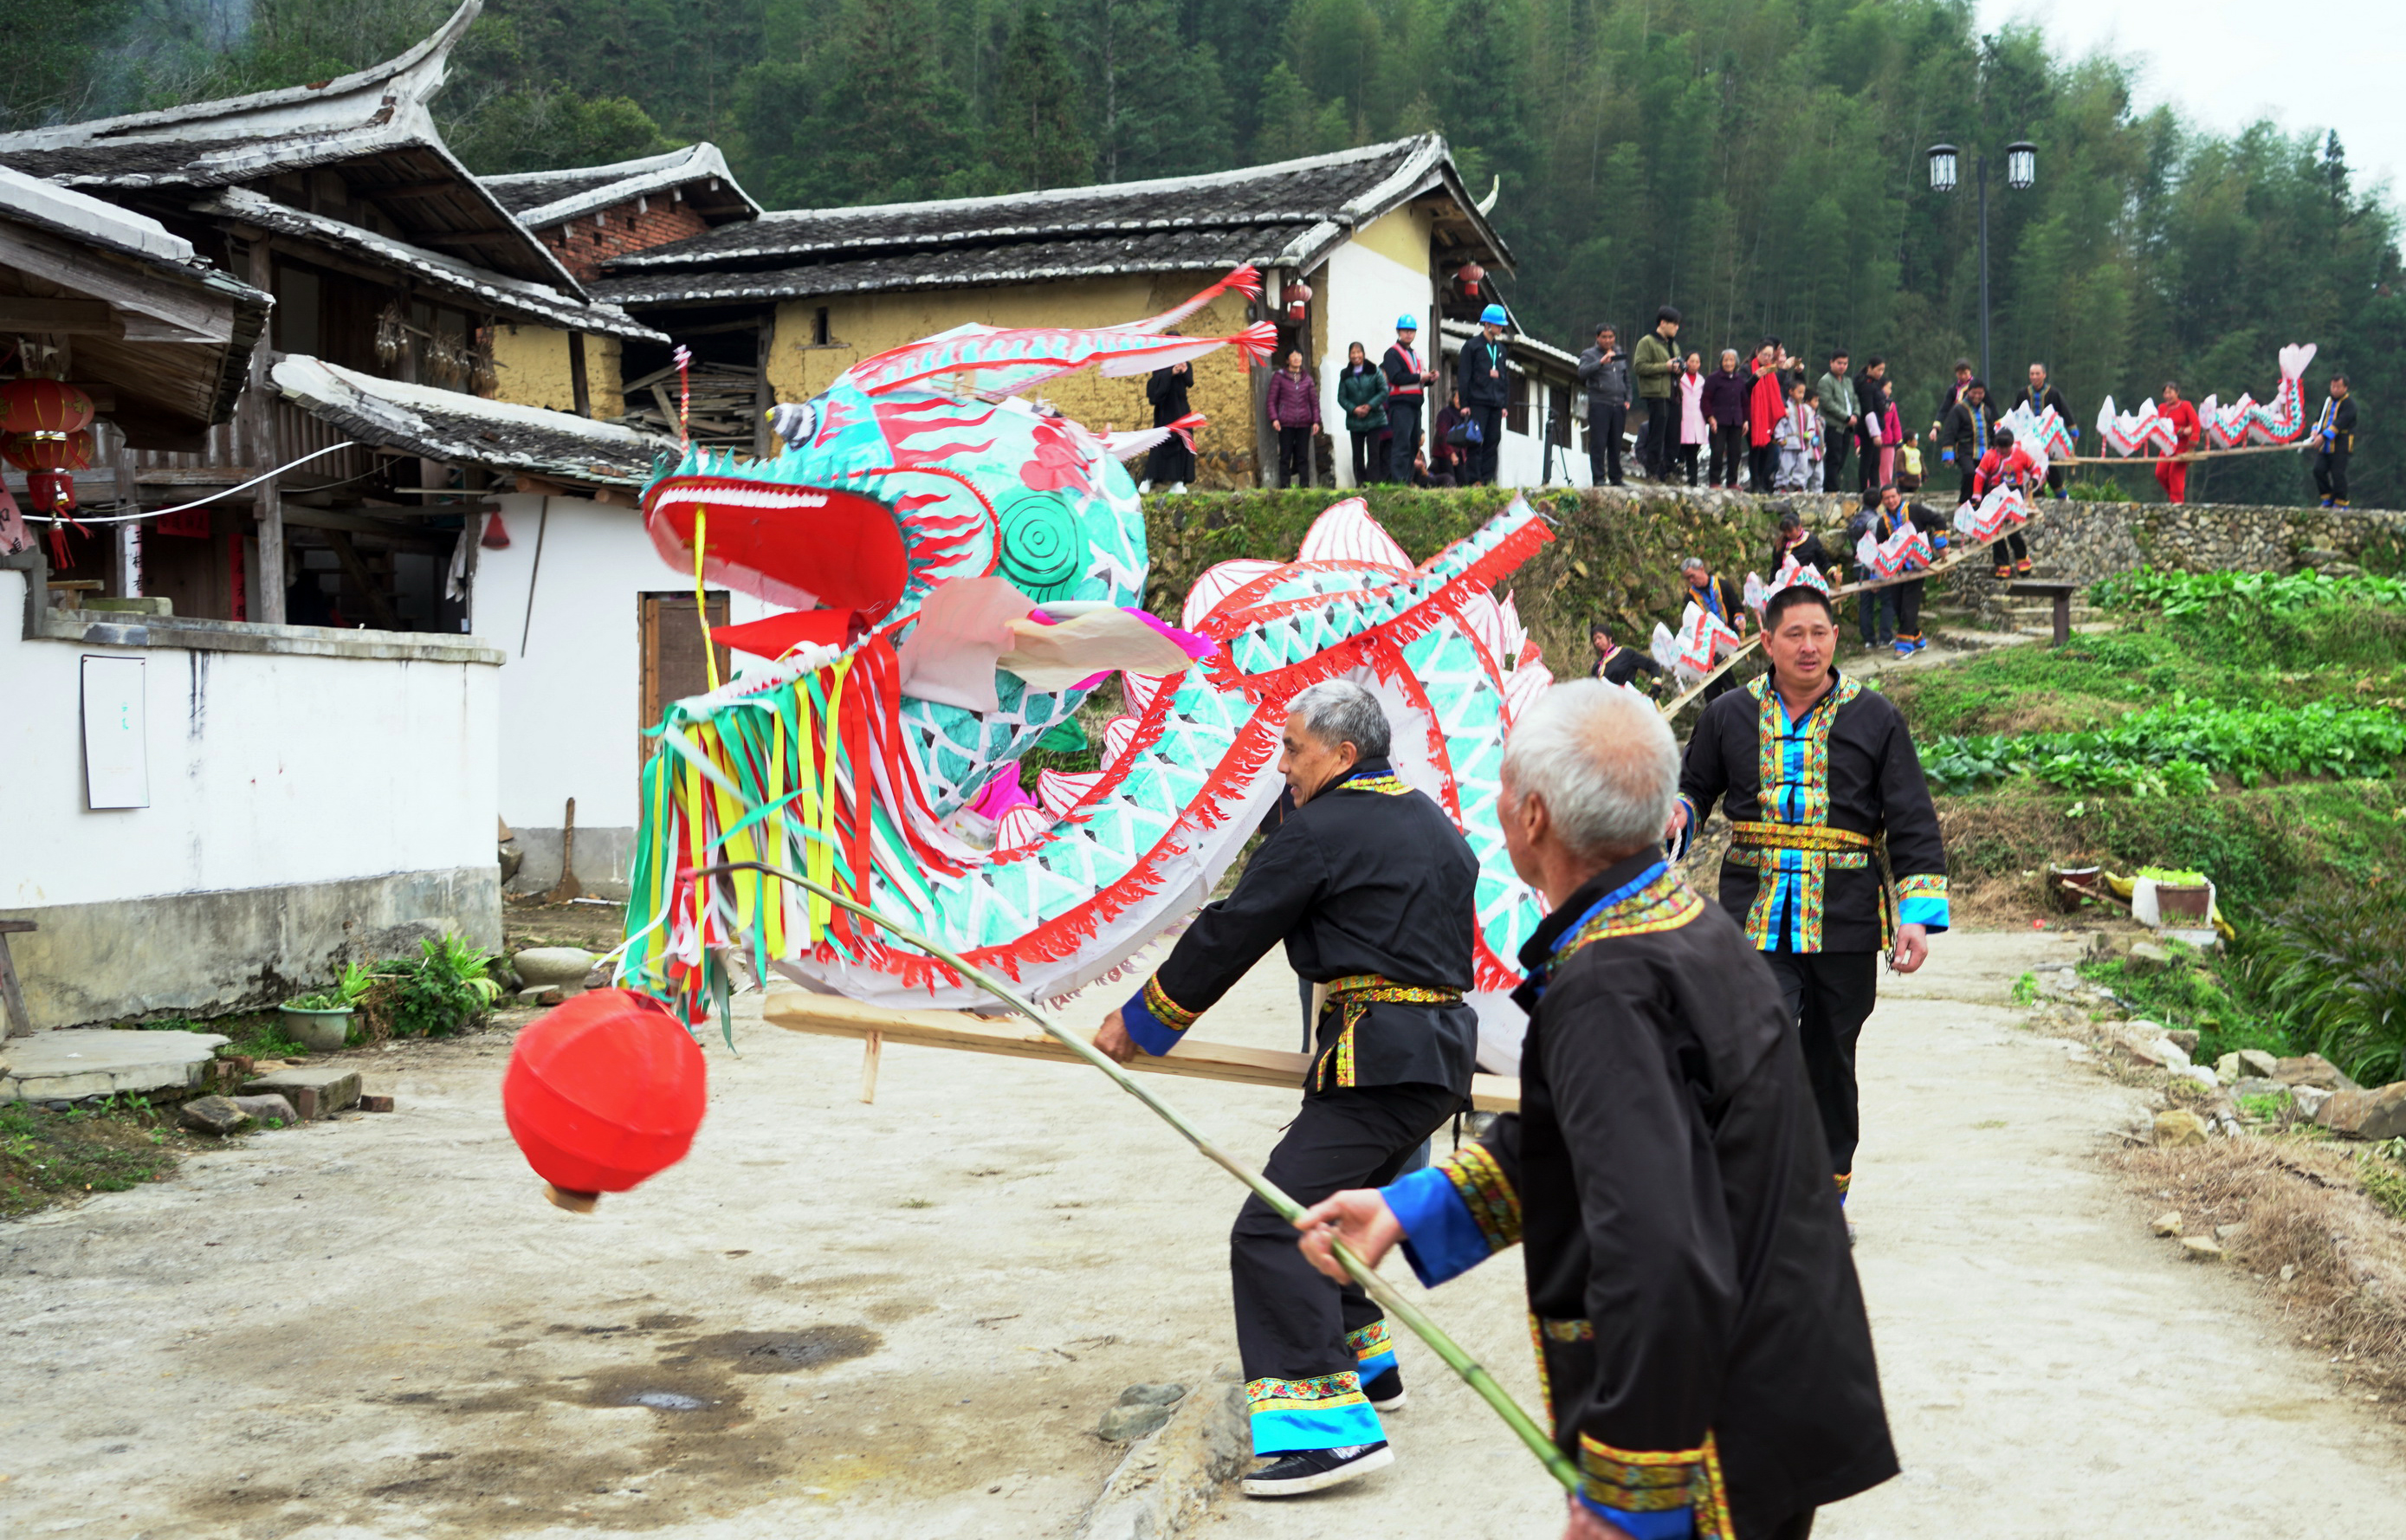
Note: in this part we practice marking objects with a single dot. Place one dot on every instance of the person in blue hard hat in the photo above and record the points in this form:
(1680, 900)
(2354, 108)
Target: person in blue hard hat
(1483, 376)
(1409, 377)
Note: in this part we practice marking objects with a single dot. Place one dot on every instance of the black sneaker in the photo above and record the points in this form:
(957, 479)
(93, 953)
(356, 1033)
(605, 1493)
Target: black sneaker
(1311, 1470)
(1385, 1389)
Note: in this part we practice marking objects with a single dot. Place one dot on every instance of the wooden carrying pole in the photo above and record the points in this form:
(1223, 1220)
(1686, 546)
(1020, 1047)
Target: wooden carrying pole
(834, 1016)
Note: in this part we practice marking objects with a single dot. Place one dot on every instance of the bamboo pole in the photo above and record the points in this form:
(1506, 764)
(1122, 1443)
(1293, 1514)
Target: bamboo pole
(872, 1046)
(1456, 1358)
(2299, 448)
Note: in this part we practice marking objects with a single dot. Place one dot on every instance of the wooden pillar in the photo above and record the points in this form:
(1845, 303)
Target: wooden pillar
(1265, 441)
(763, 398)
(577, 378)
(265, 450)
(128, 565)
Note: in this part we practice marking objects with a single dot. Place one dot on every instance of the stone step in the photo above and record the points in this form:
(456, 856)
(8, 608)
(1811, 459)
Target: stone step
(76, 1063)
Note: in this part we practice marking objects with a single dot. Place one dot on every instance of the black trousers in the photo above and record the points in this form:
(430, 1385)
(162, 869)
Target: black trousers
(2331, 475)
(1870, 450)
(1291, 1320)
(1662, 434)
(1482, 455)
(1760, 462)
(1404, 421)
(1908, 606)
(1369, 465)
(1688, 461)
(1829, 993)
(1294, 455)
(1835, 445)
(1794, 1527)
(1876, 612)
(1171, 464)
(1729, 455)
(1605, 425)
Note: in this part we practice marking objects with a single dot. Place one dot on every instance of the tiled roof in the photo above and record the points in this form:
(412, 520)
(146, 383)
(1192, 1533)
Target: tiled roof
(481, 289)
(456, 428)
(544, 198)
(1289, 213)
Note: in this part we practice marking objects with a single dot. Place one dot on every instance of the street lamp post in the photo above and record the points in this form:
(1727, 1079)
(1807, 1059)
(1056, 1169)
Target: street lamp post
(2022, 171)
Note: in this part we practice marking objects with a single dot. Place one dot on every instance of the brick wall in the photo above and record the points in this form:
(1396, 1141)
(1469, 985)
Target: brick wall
(583, 246)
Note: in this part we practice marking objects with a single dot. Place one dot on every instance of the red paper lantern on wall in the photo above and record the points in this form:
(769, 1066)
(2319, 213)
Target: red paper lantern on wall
(603, 1093)
(33, 405)
(1296, 297)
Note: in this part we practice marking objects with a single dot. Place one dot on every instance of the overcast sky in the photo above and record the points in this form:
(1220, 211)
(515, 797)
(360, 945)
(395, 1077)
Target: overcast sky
(2222, 63)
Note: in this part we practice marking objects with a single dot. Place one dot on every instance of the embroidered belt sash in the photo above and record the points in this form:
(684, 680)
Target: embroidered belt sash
(1351, 997)
(1822, 847)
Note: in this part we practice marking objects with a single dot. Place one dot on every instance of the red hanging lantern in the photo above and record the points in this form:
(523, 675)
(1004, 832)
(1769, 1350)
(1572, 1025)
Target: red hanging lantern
(603, 1093)
(49, 449)
(33, 405)
(46, 457)
(1471, 275)
(1296, 297)
(497, 534)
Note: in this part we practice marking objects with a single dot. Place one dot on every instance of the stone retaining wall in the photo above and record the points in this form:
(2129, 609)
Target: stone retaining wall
(2088, 541)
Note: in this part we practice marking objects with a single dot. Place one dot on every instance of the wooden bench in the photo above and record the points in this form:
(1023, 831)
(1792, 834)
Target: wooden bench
(2060, 592)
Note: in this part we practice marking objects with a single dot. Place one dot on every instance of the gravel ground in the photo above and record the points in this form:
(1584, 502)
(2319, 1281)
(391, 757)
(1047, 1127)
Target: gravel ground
(903, 1320)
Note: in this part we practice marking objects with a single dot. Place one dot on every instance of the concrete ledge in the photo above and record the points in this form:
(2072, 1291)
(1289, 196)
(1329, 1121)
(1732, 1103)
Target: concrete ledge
(201, 954)
(71, 1066)
(1170, 1478)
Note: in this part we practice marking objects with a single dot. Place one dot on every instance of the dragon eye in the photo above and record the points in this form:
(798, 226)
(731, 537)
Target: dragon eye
(795, 423)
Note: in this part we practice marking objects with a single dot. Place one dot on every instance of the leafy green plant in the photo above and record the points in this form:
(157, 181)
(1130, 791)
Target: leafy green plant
(2177, 748)
(2026, 989)
(2381, 1168)
(2338, 965)
(448, 988)
(2211, 995)
(350, 986)
(2274, 593)
(2264, 1108)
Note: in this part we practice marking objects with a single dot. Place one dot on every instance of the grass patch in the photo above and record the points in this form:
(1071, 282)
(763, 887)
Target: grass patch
(48, 1158)
(2213, 996)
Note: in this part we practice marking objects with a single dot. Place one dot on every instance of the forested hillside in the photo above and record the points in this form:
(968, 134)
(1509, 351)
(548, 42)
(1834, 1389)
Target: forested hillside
(1757, 163)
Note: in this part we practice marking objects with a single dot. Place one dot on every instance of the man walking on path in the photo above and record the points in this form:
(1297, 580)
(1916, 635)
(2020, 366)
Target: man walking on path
(1835, 852)
(1604, 369)
(1408, 381)
(1725, 393)
(1700, 1330)
(2334, 440)
(1841, 419)
(1373, 890)
(1294, 416)
(1483, 375)
(1657, 363)
(2038, 395)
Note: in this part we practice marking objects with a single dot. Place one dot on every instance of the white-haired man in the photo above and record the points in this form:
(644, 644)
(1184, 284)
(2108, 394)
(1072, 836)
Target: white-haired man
(1700, 1330)
(1372, 889)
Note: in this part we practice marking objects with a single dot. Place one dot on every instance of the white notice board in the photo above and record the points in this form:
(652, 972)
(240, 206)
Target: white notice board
(115, 735)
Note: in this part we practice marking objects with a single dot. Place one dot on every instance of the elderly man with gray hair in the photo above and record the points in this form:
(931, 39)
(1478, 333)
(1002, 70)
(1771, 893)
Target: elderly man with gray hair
(1699, 1325)
(1372, 889)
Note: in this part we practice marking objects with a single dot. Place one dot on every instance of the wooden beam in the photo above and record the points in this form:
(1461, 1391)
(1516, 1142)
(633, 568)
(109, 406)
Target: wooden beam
(834, 1016)
(576, 380)
(207, 316)
(434, 542)
(63, 318)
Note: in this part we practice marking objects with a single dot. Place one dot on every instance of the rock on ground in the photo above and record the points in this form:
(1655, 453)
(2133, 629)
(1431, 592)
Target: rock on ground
(2366, 1114)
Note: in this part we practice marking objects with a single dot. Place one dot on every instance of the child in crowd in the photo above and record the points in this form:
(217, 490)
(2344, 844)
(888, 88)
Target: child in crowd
(1798, 436)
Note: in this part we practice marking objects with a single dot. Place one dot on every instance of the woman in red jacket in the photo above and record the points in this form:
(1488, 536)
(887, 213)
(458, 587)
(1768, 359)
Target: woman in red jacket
(1765, 404)
(2172, 474)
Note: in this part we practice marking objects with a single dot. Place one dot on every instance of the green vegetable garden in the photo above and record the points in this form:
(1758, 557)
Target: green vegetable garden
(2250, 725)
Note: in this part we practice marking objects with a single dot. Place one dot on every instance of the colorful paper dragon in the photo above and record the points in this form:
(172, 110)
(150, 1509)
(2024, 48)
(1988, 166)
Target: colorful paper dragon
(2243, 422)
(2045, 429)
(962, 569)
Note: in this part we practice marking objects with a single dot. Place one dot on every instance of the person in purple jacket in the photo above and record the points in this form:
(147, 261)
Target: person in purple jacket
(1725, 391)
(1294, 416)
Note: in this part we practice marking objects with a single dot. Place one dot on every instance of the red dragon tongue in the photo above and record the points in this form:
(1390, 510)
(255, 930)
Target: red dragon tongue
(799, 546)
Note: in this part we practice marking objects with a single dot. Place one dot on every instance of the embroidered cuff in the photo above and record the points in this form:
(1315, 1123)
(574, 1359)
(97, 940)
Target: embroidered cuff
(1153, 1019)
(1374, 1351)
(1328, 1412)
(1921, 901)
(1440, 1238)
(1668, 1524)
(1639, 1481)
(1675, 847)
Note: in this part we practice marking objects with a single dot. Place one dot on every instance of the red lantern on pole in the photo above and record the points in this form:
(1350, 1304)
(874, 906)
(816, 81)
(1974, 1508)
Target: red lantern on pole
(1296, 297)
(35, 405)
(603, 1093)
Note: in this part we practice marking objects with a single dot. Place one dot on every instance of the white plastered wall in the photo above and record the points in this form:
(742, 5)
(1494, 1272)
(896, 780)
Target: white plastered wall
(1367, 291)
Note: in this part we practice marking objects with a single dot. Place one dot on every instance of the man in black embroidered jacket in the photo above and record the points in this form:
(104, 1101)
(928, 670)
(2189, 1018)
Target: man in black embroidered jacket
(1823, 790)
(1705, 1353)
(1372, 889)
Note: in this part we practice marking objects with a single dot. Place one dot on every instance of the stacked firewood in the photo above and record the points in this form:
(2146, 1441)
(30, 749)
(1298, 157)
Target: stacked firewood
(725, 404)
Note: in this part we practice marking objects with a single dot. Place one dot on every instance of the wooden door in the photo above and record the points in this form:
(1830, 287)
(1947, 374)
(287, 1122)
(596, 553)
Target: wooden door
(672, 660)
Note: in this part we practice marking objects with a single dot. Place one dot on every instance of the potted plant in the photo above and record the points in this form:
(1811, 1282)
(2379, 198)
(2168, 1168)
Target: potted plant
(322, 1023)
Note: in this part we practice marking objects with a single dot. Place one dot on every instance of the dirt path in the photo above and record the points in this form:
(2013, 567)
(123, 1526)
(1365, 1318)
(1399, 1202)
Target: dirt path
(902, 1319)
